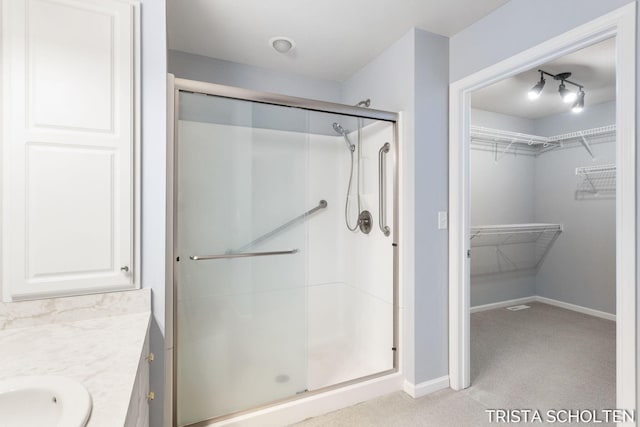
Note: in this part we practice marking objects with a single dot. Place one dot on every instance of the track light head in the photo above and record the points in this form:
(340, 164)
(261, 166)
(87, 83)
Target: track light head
(577, 98)
(566, 95)
(535, 91)
(578, 106)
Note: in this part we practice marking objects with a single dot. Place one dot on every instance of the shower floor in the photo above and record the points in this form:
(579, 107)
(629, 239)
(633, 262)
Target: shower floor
(336, 362)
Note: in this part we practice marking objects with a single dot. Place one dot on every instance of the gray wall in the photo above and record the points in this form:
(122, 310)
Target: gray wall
(517, 26)
(591, 117)
(202, 68)
(501, 192)
(431, 195)
(154, 139)
(580, 267)
(493, 120)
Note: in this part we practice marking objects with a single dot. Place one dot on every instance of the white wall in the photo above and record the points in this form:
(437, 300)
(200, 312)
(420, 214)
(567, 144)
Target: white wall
(350, 274)
(202, 68)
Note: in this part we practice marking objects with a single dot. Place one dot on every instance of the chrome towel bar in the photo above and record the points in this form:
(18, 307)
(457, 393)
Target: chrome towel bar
(242, 255)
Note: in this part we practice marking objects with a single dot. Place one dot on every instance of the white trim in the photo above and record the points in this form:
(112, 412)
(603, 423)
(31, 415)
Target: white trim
(544, 300)
(503, 304)
(620, 23)
(168, 289)
(427, 387)
(578, 308)
(406, 268)
(320, 404)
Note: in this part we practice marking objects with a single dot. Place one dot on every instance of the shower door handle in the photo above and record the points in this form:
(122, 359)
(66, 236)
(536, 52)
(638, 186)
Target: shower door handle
(241, 255)
(382, 189)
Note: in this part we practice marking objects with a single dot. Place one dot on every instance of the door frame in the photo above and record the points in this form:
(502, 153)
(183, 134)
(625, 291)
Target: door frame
(621, 23)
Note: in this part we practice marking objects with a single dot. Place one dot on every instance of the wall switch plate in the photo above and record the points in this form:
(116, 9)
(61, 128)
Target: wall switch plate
(443, 222)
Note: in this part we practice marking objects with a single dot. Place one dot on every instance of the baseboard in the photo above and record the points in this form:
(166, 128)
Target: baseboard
(544, 300)
(427, 387)
(502, 304)
(578, 308)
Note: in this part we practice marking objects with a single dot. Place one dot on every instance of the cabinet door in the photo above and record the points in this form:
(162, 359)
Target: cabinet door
(68, 146)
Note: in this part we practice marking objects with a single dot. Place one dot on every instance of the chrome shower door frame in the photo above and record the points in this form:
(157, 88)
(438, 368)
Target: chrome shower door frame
(175, 87)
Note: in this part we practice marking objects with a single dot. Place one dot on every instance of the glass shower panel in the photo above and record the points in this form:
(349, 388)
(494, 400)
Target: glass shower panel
(241, 292)
(349, 273)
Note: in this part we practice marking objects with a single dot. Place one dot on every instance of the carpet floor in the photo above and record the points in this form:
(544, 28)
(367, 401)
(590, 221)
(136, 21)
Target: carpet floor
(543, 358)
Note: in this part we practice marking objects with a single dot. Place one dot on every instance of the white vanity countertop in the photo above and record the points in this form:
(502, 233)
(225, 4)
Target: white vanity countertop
(102, 352)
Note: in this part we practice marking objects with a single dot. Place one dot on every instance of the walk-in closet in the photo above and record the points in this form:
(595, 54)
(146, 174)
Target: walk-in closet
(543, 234)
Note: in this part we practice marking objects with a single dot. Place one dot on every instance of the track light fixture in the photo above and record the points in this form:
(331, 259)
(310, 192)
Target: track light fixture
(567, 95)
(578, 106)
(535, 91)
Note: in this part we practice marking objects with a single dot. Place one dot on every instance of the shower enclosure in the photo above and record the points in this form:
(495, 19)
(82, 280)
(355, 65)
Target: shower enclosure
(284, 248)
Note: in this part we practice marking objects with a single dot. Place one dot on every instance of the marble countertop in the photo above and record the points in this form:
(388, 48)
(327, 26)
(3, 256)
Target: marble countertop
(101, 352)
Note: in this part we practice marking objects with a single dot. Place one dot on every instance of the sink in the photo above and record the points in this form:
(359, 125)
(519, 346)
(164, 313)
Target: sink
(36, 401)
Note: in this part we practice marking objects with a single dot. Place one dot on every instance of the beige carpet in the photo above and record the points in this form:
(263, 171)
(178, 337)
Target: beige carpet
(540, 358)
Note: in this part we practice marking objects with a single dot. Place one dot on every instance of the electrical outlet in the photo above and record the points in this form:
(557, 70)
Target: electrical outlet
(442, 220)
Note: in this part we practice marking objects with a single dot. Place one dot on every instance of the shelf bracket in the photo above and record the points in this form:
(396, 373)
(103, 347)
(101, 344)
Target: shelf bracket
(504, 152)
(586, 145)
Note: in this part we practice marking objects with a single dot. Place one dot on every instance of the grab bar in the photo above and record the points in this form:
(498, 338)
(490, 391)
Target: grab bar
(241, 255)
(382, 199)
(321, 205)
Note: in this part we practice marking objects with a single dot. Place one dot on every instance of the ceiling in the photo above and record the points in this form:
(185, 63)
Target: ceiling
(333, 38)
(593, 67)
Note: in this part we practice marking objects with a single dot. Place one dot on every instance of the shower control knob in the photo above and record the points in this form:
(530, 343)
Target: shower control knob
(124, 268)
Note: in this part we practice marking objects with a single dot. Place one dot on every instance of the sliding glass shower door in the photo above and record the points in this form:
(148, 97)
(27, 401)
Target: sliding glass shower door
(285, 237)
(241, 332)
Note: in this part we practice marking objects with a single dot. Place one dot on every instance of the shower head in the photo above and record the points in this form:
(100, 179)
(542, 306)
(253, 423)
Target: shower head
(340, 130)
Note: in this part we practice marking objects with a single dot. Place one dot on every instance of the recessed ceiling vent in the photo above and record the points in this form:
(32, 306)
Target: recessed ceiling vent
(518, 307)
(281, 44)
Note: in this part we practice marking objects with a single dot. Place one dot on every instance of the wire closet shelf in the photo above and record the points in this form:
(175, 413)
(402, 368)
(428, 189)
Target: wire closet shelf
(597, 181)
(510, 247)
(503, 142)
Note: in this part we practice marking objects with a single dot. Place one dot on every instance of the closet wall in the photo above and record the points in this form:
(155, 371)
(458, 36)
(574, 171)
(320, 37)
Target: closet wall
(580, 266)
(501, 192)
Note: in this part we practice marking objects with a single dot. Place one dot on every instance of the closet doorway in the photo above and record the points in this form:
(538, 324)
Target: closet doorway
(620, 25)
(542, 193)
